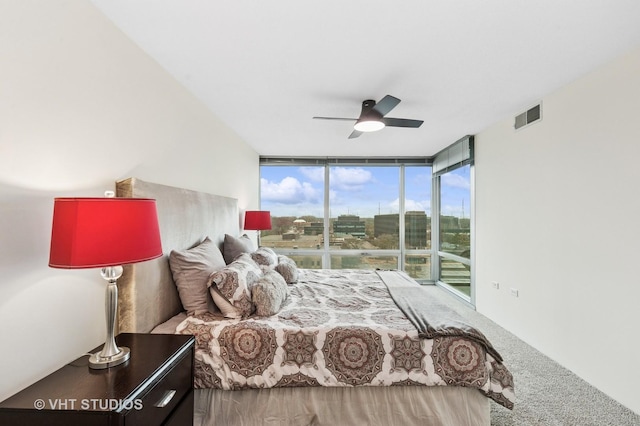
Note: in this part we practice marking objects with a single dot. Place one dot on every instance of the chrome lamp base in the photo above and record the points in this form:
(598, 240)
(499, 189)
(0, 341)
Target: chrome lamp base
(98, 362)
(111, 355)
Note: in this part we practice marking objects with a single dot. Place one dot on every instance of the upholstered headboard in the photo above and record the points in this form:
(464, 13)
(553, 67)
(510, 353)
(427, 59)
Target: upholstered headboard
(147, 295)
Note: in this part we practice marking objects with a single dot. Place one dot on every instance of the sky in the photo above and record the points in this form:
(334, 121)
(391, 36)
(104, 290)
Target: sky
(363, 191)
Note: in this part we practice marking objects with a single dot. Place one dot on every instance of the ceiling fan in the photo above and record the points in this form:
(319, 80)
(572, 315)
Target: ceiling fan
(372, 117)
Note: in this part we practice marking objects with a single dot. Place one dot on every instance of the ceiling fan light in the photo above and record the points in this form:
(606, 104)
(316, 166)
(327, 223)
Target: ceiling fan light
(368, 125)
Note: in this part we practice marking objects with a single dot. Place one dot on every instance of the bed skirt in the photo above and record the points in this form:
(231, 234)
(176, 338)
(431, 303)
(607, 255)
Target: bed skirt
(367, 405)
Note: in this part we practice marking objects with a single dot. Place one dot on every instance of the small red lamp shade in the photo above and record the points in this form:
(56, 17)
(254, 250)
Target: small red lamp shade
(257, 220)
(102, 232)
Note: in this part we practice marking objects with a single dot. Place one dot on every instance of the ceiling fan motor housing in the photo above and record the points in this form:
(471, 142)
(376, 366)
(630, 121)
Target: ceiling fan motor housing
(368, 112)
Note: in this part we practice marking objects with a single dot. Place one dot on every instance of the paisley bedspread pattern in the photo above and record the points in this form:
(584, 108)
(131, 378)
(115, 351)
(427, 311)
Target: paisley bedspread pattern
(338, 328)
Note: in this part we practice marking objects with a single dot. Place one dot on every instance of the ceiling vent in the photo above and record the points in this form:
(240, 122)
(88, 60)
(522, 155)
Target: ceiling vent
(530, 116)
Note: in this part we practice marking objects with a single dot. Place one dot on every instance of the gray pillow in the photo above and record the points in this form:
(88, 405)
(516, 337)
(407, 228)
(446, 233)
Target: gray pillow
(191, 269)
(269, 293)
(287, 268)
(234, 247)
(265, 256)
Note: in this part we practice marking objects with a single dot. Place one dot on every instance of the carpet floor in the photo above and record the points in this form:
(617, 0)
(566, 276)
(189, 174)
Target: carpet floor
(547, 394)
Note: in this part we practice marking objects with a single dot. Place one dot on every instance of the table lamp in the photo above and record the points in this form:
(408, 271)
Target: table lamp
(104, 233)
(257, 220)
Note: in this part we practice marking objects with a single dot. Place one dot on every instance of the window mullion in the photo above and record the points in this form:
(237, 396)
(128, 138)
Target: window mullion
(435, 226)
(326, 256)
(401, 224)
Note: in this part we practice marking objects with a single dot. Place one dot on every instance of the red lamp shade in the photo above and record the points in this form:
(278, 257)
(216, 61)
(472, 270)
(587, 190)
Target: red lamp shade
(257, 220)
(102, 232)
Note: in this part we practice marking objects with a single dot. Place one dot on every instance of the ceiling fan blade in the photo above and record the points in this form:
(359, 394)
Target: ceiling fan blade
(336, 118)
(354, 134)
(401, 122)
(386, 104)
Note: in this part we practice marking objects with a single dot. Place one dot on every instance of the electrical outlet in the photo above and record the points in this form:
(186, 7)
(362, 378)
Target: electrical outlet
(514, 292)
(495, 284)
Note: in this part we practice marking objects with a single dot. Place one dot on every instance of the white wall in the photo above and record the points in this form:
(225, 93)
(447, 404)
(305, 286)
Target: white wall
(557, 211)
(81, 107)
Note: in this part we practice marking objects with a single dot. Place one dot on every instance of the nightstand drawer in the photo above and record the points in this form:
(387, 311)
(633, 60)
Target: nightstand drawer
(160, 401)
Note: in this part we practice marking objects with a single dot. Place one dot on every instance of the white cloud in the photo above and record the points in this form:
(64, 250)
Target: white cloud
(288, 191)
(349, 178)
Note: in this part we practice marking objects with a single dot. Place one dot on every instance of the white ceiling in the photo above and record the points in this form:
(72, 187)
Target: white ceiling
(267, 67)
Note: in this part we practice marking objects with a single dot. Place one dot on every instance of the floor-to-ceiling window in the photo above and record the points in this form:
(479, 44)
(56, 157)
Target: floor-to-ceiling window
(412, 214)
(453, 190)
(363, 214)
(454, 252)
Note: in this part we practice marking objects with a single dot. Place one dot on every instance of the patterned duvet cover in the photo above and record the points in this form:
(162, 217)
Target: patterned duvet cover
(338, 328)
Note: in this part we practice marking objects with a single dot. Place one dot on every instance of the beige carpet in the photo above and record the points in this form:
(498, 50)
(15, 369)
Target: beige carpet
(546, 393)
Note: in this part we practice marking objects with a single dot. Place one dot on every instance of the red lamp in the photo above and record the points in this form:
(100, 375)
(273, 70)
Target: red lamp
(104, 233)
(257, 220)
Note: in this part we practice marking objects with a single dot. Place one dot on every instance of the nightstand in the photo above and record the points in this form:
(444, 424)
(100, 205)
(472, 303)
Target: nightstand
(154, 387)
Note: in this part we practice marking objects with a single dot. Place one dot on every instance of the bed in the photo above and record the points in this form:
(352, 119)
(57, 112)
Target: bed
(338, 347)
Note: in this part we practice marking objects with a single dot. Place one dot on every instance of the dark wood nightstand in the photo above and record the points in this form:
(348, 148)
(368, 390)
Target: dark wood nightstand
(154, 387)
